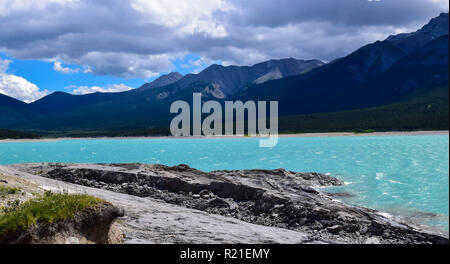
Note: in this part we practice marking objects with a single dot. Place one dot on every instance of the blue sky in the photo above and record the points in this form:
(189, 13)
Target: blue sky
(84, 46)
(42, 74)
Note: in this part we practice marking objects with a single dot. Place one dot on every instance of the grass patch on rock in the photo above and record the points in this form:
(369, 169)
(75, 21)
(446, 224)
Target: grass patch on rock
(46, 210)
(5, 190)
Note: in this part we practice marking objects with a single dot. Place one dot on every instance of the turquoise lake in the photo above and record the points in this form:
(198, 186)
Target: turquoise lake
(406, 176)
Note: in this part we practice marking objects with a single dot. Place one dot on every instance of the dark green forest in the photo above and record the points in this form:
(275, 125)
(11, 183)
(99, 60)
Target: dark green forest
(11, 134)
(426, 112)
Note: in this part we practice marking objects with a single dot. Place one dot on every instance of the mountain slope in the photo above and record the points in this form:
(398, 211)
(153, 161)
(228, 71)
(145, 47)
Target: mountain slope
(428, 110)
(58, 102)
(14, 111)
(425, 68)
(227, 81)
(164, 80)
(437, 27)
(360, 79)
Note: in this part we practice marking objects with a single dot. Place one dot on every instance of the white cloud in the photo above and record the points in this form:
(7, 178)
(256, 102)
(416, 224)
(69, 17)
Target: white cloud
(189, 17)
(241, 56)
(125, 65)
(57, 66)
(4, 64)
(18, 87)
(113, 88)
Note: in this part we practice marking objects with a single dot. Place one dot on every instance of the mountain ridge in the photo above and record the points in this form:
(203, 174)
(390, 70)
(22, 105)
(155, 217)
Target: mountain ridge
(163, 80)
(228, 80)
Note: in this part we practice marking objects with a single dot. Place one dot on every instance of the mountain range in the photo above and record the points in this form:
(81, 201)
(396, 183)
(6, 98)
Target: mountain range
(376, 74)
(395, 73)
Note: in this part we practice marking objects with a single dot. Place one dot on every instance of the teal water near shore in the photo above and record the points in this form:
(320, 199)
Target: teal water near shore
(406, 176)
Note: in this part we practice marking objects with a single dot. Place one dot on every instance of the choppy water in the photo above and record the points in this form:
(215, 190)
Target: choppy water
(401, 175)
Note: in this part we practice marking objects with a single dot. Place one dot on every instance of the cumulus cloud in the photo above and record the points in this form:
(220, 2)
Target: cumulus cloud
(4, 65)
(187, 17)
(140, 38)
(57, 66)
(113, 88)
(18, 87)
(125, 64)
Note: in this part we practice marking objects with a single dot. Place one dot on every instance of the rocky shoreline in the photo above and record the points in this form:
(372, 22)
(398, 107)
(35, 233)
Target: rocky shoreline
(272, 198)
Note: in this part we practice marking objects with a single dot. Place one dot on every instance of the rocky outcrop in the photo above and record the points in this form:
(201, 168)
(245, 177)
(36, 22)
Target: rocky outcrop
(91, 226)
(275, 198)
(163, 80)
(231, 80)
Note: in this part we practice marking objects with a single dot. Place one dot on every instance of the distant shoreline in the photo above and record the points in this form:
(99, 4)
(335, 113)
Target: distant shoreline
(319, 134)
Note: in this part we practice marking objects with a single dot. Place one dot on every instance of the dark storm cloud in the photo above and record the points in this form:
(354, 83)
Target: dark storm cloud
(344, 12)
(139, 38)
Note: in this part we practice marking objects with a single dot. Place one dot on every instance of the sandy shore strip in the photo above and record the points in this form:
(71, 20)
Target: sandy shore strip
(324, 134)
